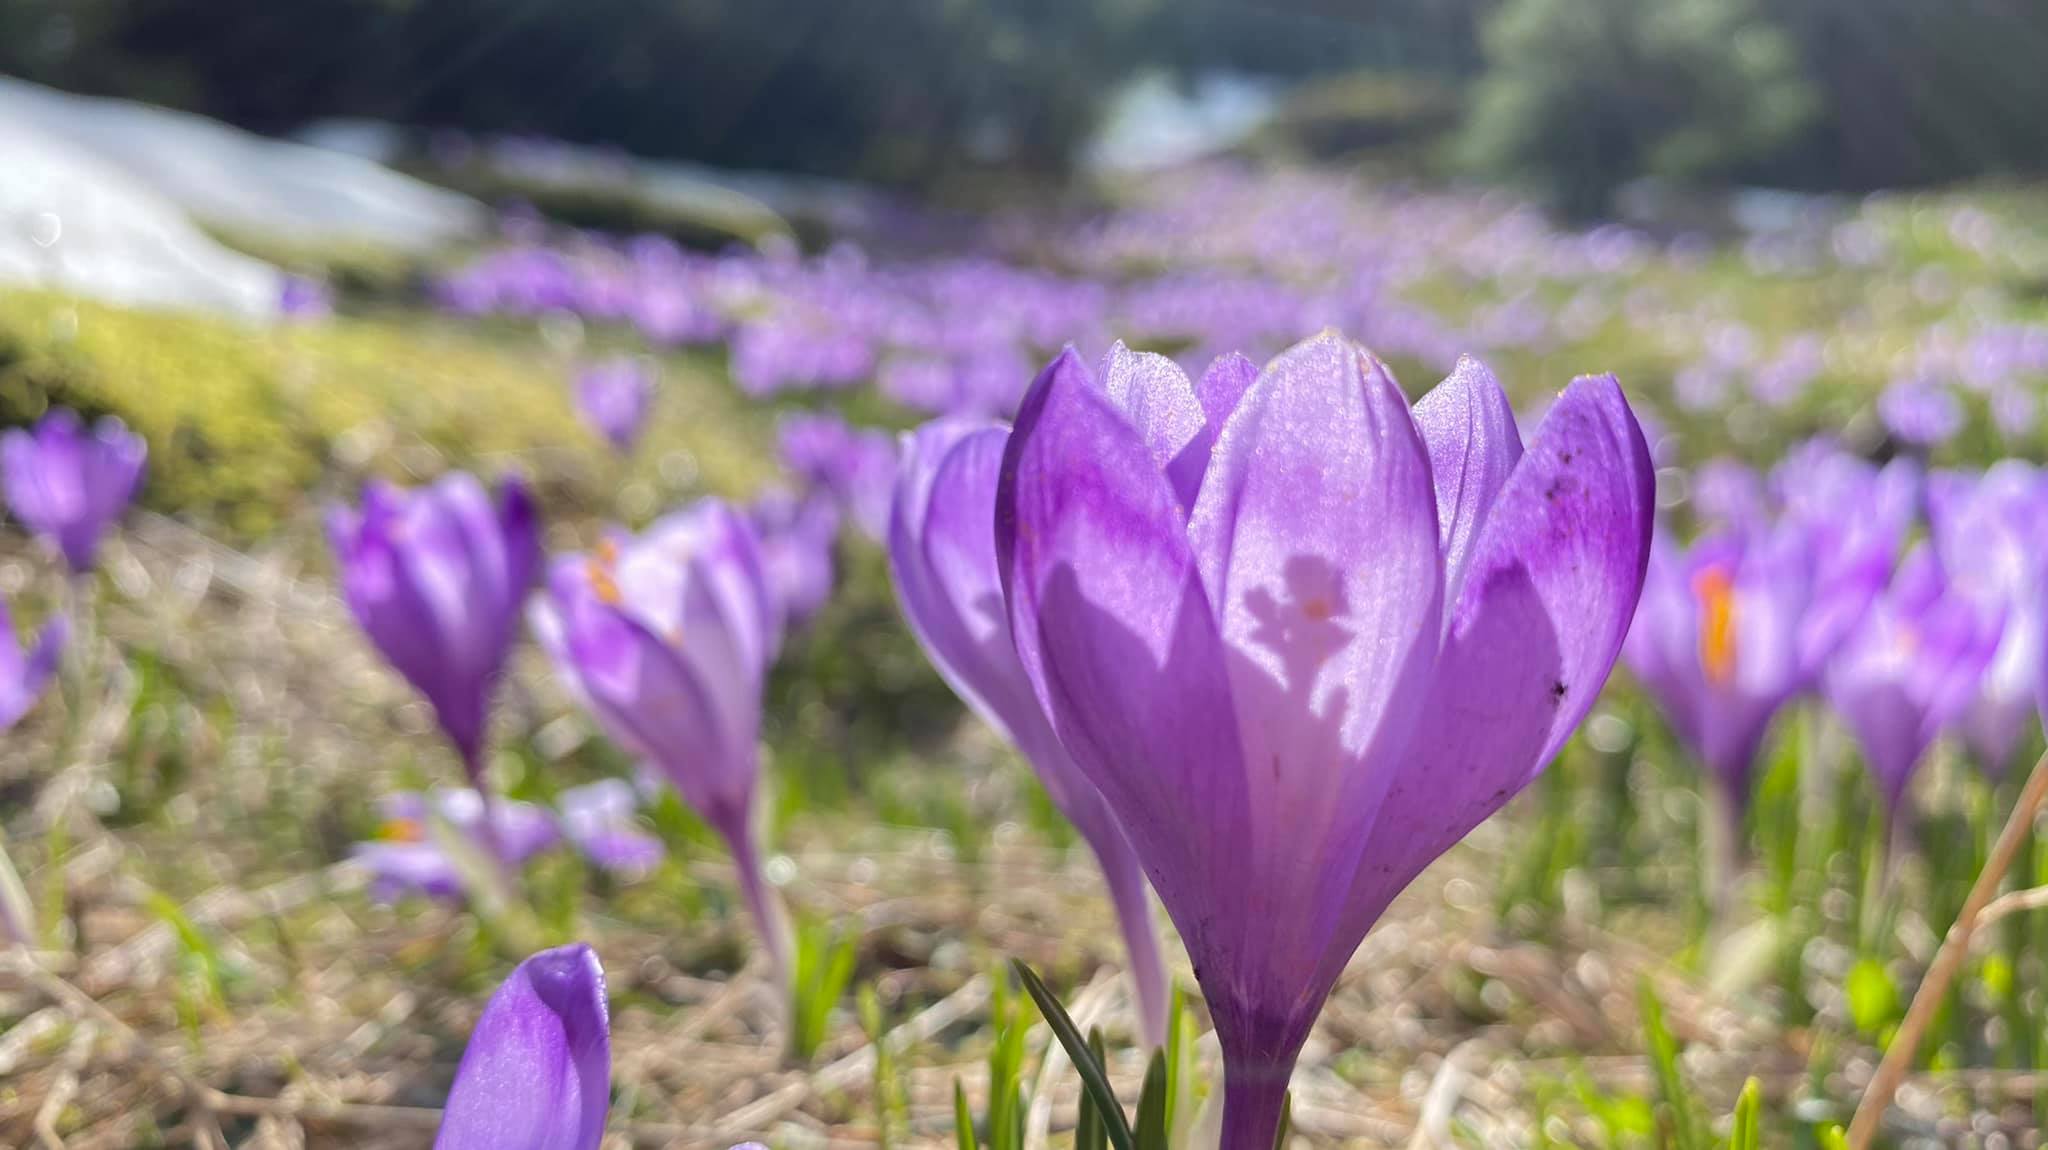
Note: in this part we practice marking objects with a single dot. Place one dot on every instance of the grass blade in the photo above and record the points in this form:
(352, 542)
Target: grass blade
(1093, 1079)
(963, 1119)
(1663, 1049)
(1153, 1116)
(1745, 1135)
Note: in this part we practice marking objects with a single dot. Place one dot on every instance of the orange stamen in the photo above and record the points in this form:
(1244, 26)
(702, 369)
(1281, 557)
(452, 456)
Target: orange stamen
(1716, 593)
(401, 831)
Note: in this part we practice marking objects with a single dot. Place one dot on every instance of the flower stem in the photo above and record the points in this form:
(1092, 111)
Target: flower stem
(1254, 1097)
(769, 915)
(493, 835)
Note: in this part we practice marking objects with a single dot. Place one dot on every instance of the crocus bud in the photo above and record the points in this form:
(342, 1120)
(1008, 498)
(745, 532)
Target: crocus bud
(68, 485)
(537, 1073)
(436, 577)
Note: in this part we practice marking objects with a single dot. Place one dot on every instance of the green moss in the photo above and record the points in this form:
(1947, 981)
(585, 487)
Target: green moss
(244, 422)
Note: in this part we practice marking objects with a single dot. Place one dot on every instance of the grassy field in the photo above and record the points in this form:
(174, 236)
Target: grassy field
(182, 808)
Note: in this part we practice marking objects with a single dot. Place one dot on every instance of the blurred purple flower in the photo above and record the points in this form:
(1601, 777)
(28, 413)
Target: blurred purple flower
(1908, 669)
(666, 639)
(798, 538)
(614, 397)
(857, 467)
(1232, 609)
(537, 1072)
(600, 819)
(942, 555)
(1730, 492)
(24, 673)
(1731, 630)
(67, 485)
(406, 857)
(1856, 515)
(303, 298)
(1920, 413)
(436, 576)
(1986, 530)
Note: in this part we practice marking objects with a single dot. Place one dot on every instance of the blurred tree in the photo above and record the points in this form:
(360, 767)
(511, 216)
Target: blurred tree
(1918, 93)
(1582, 95)
(893, 90)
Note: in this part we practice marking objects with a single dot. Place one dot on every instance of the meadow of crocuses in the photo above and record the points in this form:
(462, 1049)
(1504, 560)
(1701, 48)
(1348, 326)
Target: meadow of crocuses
(1515, 684)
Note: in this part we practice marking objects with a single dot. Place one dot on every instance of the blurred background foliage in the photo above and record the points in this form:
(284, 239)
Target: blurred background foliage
(1571, 97)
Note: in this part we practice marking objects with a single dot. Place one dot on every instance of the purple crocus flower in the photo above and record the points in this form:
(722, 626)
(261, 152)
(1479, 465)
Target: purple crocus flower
(666, 639)
(1715, 642)
(304, 299)
(68, 485)
(798, 536)
(1907, 670)
(614, 397)
(436, 577)
(538, 1069)
(1230, 601)
(1986, 528)
(942, 554)
(24, 673)
(600, 820)
(857, 467)
(406, 858)
(1731, 630)
(1818, 482)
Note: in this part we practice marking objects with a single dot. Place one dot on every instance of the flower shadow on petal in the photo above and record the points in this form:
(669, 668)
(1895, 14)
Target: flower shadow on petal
(1257, 915)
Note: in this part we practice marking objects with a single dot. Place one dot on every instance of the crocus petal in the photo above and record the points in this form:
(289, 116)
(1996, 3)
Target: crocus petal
(1223, 386)
(537, 1072)
(1474, 445)
(1316, 532)
(941, 604)
(646, 697)
(1156, 398)
(68, 485)
(1554, 579)
(1113, 629)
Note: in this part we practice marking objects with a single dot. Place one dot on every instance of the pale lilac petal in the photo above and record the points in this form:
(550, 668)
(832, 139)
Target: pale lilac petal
(537, 1072)
(1554, 580)
(1469, 427)
(942, 556)
(1157, 400)
(1112, 627)
(1317, 536)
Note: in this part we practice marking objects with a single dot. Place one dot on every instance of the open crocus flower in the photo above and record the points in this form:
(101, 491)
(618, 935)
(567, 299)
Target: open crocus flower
(1907, 670)
(942, 554)
(68, 485)
(614, 397)
(1731, 630)
(1985, 529)
(407, 858)
(666, 639)
(537, 1072)
(436, 577)
(1230, 601)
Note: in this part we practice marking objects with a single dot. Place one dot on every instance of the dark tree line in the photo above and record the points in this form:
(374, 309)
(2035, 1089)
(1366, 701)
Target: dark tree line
(1575, 95)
